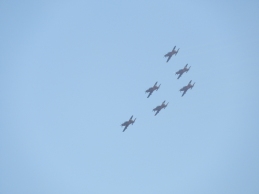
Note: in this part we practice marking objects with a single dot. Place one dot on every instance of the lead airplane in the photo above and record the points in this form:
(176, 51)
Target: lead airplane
(170, 54)
(127, 123)
(158, 108)
(152, 89)
(185, 88)
(181, 71)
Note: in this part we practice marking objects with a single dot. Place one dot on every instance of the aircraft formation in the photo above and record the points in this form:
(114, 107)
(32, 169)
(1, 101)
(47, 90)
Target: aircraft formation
(150, 90)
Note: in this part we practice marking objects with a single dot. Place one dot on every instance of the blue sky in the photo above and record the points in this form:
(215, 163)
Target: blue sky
(72, 71)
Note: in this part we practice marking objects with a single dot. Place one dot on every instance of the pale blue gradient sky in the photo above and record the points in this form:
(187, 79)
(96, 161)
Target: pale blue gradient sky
(72, 71)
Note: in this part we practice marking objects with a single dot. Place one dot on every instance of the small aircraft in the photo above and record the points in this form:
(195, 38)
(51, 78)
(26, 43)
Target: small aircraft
(181, 71)
(152, 89)
(158, 108)
(185, 88)
(127, 123)
(170, 54)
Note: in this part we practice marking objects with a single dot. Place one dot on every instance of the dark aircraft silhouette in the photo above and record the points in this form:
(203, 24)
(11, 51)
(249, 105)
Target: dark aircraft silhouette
(152, 89)
(158, 108)
(170, 54)
(181, 71)
(127, 123)
(185, 88)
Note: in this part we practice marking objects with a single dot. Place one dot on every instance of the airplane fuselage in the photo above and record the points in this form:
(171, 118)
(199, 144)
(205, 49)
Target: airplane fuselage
(150, 90)
(157, 108)
(181, 71)
(127, 123)
(171, 53)
(183, 88)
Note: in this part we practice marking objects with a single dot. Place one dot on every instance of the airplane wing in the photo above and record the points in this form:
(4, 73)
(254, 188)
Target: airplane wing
(180, 75)
(166, 55)
(125, 128)
(155, 84)
(169, 57)
(157, 112)
(184, 92)
(149, 94)
(174, 47)
(186, 65)
(149, 90)
(131, 117)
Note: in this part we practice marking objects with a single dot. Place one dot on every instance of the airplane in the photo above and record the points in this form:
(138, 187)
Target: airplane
(185, 88)
(181, 71)
(170, 54)
(158, 108)
(127, 123)
(152, 89)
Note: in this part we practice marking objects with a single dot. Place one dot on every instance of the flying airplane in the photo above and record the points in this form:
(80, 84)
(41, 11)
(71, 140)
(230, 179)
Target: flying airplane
(152, 89)
(181, 71)
(185, 88)
(127, 123)
(158, 108)
(170, 54)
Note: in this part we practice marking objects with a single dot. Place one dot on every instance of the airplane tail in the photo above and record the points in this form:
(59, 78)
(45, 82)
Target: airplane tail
(192, 85)
(166, 105)
(133, 121)
(188, 69)
(177, 51)
(158, 87)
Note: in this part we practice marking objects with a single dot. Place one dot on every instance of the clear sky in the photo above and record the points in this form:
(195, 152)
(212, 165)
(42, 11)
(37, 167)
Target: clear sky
(71, 72)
